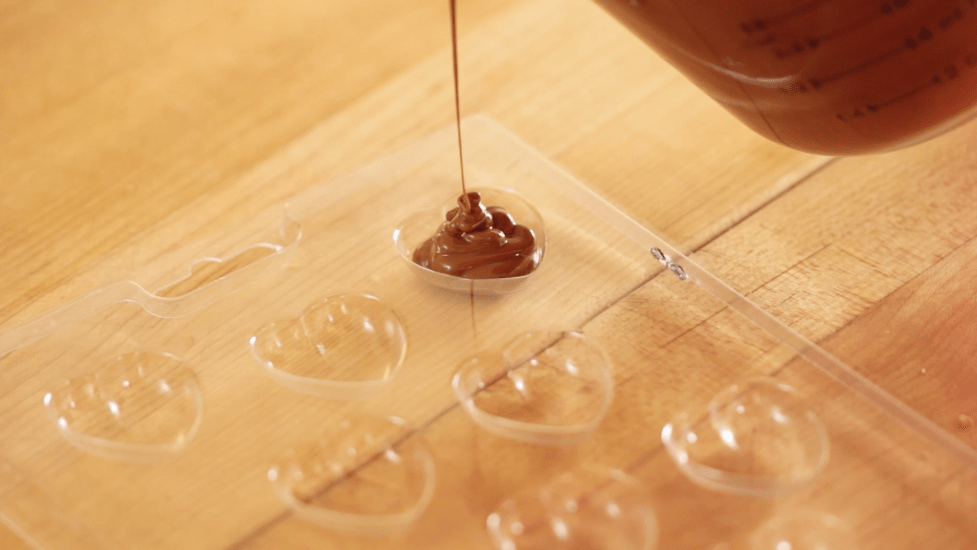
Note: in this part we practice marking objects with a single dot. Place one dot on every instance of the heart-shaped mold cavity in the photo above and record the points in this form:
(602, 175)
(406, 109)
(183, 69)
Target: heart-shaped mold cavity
(347, 346)
(803, 529)
(366, 476)
(550, 387)
(594, 509)
(758, 438)
(139, 407)
(422, 225)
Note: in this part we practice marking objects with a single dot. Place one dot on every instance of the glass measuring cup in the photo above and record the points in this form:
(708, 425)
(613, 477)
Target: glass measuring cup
(836, 77)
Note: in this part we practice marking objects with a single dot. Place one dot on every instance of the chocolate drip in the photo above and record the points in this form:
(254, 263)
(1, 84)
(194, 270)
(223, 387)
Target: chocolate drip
(479, 242)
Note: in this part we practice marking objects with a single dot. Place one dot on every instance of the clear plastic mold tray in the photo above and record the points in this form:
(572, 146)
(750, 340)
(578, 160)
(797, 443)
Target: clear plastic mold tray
(302, 382)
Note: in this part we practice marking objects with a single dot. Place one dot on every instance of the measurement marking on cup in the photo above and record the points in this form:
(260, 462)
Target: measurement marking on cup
(910, 43)
(813, 42)
(757, 25)
(873, 107)
(788, 46)
(845, 29)
(949, 72)
(818, 82)
(885, 10)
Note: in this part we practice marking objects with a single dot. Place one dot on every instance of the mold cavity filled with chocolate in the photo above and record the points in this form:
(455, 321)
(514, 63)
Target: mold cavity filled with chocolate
(489, 244)
(480, 242)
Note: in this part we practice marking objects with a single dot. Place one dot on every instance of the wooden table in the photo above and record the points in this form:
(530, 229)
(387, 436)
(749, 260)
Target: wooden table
(117, 116)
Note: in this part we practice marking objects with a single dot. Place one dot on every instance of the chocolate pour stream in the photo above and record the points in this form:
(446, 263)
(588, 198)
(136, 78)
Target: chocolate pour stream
(454, 59)
(475, 241)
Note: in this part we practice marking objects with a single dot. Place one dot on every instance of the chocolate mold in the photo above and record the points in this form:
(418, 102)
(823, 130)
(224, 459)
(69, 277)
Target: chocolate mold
(803, 529)
(343, 347)
(550, 387)
(139, 407)
(130, 505)
(420, 226)
(207, 280)
(367, 476)
(593, 508)
(759, 438)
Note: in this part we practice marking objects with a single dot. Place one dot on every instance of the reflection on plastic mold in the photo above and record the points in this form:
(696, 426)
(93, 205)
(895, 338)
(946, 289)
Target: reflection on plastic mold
(593, 509)
(547, 387)
(210, 270)
(420, 226)
(760, 440)
(220, 276)
(140, 407)
(346, 346)
(368, 476)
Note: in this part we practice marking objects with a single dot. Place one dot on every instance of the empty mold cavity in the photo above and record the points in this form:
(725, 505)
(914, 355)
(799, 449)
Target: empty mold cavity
(139, 407)
(595, 508)
(346, 346)
(550, 387)
(209, 270)
(365, 476)
(803, 529)
(757, 438)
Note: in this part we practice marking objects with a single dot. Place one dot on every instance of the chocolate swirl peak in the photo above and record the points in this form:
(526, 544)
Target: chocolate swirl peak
(479, 242)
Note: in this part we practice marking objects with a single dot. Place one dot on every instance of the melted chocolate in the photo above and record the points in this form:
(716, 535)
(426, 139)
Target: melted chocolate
(479, 242)
(476, 242)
